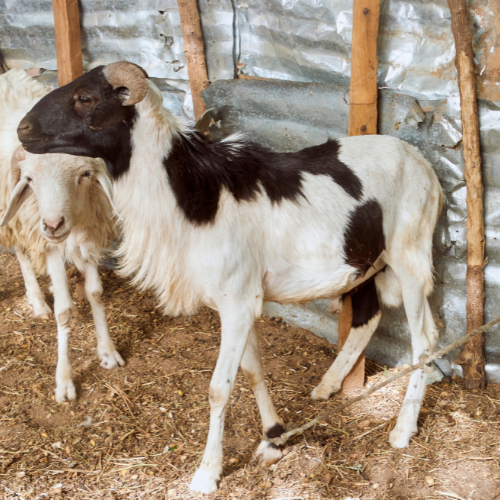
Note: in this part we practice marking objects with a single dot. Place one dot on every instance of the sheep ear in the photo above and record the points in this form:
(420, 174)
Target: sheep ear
(105, 183)
(20, 194)
(20, 188)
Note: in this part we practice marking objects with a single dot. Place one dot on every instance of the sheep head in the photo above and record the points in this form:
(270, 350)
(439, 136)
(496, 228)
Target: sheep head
(62, 185)
(84, 117)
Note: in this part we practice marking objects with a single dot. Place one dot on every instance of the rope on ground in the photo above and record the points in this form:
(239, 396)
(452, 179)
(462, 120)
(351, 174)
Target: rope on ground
(424, 360)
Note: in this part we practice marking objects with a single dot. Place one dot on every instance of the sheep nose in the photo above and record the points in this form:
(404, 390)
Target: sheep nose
(53, 225)
(24, 127)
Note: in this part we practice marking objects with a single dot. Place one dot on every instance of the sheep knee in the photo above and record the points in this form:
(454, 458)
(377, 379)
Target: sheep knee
(253, 379)
(97, 296)
(64, 318)
(217, 397)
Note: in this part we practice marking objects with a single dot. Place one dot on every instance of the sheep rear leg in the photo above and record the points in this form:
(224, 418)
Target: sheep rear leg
(35, 296)
(365, 319)
(106, 350)
(267, 453)
(63, 306)
(423, 339)
(236, 325)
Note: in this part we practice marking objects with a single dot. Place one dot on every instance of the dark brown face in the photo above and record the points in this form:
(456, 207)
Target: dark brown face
(84, 118)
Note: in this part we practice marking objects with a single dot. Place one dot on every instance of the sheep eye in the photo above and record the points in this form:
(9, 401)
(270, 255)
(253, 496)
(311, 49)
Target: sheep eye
(85, 100)
(87, 173)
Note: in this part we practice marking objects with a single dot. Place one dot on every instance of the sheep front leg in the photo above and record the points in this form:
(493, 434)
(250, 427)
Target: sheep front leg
(33, 292)
(106, 351)
(267, 453)
(63, 306)
(236, 326)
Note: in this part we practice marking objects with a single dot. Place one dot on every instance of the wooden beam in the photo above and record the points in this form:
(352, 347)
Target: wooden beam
(68, 42)
(356, 377)
(362, 120)
(363, 92)
(472, 357)
(194, 50)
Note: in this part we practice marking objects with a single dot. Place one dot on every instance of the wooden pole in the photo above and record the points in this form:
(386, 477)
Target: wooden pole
(356, 377)
(362, 120)
(194, 50)
(363, 91)
(68, 42)
(472, 357)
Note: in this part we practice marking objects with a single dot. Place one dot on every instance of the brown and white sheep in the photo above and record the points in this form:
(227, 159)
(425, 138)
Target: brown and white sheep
(69, 220)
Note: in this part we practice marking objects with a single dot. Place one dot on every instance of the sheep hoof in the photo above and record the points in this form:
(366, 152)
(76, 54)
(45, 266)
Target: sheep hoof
(267, 454)
(325, 389)
(400, 438)
(204, 481)
(41, 311)
(111, 359)
(320, 393)
(65, 391)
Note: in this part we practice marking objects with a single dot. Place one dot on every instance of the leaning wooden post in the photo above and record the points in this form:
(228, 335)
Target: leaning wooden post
(362, 120)
(68, 41)
(472, 357)
(194, 50)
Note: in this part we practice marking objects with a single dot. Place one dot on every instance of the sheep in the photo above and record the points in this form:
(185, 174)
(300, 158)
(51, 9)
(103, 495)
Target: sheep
(229, 224)
(69, 219)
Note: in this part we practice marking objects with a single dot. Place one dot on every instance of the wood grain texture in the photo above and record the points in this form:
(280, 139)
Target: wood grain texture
(68, 41)
(362, 120)
(363, 90)
(356, 377)
(472, 358)
(194, 50)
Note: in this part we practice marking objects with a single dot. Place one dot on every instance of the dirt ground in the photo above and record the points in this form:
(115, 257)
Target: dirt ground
(139, 431)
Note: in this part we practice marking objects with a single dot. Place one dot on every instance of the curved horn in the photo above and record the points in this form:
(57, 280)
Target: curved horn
(15, 170)
(129, 75)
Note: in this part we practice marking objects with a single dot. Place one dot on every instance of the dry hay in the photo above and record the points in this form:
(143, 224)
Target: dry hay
(139, 431)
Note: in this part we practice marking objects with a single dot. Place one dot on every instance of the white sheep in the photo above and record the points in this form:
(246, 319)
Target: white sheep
(69, 220)
(230, 224)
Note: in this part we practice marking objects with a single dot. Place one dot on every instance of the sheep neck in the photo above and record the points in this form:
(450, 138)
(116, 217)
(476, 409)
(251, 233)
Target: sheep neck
(154, 235)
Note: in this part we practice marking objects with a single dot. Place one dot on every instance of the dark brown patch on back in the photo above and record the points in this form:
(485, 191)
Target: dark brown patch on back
(199, 168)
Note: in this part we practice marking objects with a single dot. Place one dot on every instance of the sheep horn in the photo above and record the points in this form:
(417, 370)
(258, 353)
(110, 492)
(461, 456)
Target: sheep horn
(15, 170)
(129, 75)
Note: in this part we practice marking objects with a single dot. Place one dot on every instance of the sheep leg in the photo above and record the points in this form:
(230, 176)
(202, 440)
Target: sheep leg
(63, 306)
(365, 319)
(106, 351)
(33, 292)
(423, 339)
(272, 425)
(236, 326)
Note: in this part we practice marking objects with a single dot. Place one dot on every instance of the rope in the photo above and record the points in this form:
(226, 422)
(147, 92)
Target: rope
(424, 360)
